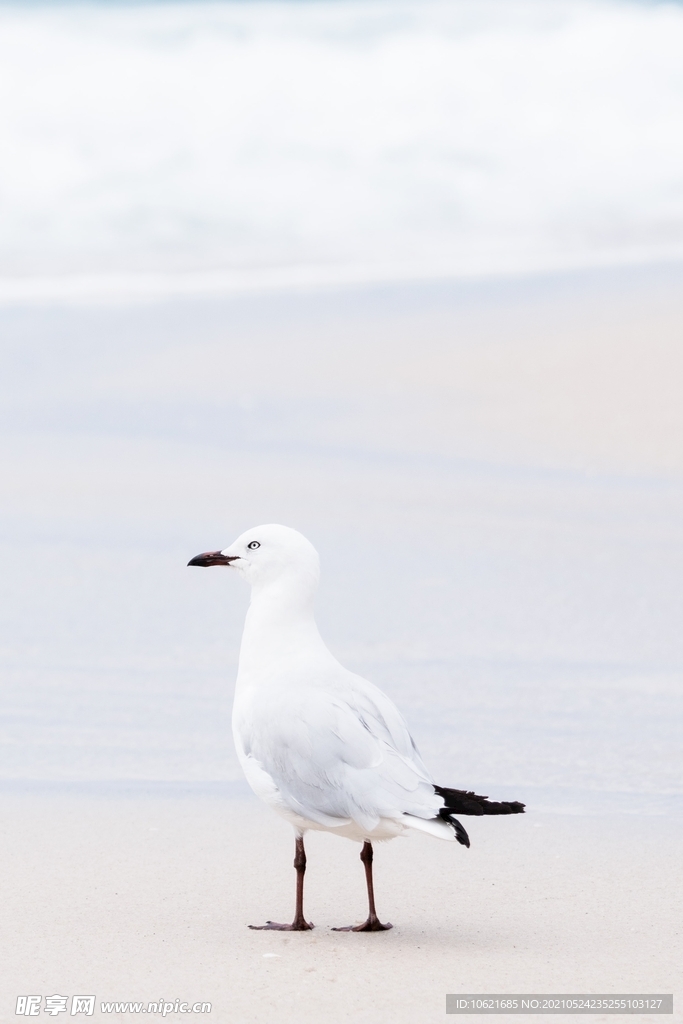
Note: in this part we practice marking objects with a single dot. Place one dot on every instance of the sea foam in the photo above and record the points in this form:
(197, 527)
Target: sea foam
(218, 146)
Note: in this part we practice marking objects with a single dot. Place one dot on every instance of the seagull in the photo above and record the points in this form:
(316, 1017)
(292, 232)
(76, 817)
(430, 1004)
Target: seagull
(325, 748)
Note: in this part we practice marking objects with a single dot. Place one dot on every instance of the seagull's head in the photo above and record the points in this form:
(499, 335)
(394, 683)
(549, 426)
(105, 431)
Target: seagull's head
(267, 554)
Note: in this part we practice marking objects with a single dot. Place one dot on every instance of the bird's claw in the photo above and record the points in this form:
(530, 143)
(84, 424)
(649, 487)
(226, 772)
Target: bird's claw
(273, 926)
(373, 924)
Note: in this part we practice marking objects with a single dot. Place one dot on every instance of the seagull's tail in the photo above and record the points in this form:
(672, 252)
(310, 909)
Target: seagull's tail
(461, 802)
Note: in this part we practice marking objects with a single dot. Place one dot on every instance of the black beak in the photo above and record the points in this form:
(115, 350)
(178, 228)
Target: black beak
(213, 558)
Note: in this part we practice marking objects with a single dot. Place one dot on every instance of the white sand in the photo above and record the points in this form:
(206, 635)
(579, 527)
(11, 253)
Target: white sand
(149, 898)
(532, 432)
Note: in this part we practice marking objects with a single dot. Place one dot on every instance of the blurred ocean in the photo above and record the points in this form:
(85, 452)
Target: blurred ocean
(201, 147)
(488, 455)
(492, 475)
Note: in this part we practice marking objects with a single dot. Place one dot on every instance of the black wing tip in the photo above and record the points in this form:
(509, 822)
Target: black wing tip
(516, 807)
(460, 833)
(467, 802)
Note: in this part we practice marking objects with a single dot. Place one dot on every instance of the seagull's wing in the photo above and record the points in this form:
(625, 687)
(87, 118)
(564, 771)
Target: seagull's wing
(339, 750)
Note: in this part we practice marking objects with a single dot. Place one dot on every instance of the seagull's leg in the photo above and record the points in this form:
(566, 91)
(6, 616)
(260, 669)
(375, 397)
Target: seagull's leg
(373, 923)
(299, 924)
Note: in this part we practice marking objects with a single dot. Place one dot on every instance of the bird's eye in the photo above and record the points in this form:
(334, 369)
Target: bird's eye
(254, 544)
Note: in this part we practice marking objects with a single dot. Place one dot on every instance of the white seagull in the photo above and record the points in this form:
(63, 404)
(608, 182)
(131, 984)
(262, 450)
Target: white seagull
(322, 746)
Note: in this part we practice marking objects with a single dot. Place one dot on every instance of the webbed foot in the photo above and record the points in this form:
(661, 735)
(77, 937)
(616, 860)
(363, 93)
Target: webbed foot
(373, 924)
(297, 925)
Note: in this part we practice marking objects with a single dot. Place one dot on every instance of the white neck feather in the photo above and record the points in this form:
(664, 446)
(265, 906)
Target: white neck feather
(280, 629)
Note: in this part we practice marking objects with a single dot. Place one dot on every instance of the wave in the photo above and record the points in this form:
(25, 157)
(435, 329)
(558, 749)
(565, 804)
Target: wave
(177, 147)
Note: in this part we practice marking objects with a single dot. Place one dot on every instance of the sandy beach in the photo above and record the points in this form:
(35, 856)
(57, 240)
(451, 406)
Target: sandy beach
(146, 897)
(407, 277)
(531, 432)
